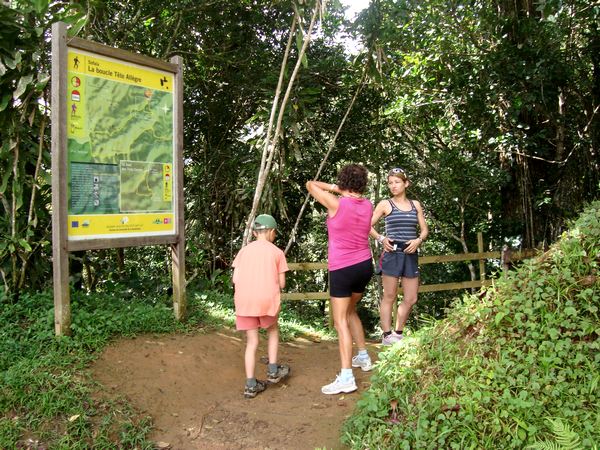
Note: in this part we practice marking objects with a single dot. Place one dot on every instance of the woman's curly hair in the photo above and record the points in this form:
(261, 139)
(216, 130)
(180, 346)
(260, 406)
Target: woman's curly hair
(353, 178)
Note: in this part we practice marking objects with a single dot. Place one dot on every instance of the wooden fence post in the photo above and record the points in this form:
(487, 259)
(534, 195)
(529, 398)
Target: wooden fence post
(60, 254)
(505, 258)
(481, 261)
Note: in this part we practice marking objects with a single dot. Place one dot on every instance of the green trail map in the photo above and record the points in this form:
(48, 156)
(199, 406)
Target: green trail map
(120, 137)
(125, 122)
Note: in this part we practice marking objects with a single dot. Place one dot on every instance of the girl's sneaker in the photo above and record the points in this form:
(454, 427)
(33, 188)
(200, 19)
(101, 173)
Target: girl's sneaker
(392, 338)
(251, 392)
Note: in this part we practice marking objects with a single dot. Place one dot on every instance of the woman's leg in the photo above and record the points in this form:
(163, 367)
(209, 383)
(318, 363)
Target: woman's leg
(356, 328)
(410, 289)
(340, 307)
(250, 355)
(390, 293)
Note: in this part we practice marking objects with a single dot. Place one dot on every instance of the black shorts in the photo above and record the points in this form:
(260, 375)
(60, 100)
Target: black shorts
(350, 280)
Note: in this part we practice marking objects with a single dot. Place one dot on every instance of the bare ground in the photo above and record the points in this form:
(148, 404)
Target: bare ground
(192, 386)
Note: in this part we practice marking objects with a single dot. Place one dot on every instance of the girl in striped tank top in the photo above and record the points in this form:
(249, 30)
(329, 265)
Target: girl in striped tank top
(400, 260)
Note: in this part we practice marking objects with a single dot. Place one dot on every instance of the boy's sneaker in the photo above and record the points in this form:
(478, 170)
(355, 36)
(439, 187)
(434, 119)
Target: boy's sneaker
(364, 363)
(251, 392)
(391, 339)
(339, 386)
(282, 372)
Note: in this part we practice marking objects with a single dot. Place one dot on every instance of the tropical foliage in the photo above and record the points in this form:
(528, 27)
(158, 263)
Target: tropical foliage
(514, 366)
(493, 107)
(490, 106)
(25, 140)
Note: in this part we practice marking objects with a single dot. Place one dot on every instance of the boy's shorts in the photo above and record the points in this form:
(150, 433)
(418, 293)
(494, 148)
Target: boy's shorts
(352, 279)
(244, 323)
(399, 264)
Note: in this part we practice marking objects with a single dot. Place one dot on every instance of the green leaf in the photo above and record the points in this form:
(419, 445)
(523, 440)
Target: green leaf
(305, 61)
(13, 63)
(22, 85)
(299, 41)
(4, 184)
(77, 26)
(41, 6)
(42, 83)
(4, 101)
(499, 317)
(23, 243)
(18, 193)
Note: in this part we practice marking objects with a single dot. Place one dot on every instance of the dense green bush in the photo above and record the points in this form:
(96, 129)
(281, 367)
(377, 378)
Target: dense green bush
(516, 366)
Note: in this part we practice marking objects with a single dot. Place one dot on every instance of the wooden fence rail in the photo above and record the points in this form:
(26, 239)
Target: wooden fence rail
(506, 256)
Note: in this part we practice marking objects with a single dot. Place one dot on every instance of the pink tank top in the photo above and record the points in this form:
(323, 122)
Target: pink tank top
(349, 233)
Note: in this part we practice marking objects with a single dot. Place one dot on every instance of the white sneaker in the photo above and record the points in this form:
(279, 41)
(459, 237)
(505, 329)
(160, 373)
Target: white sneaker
(391, 339)
(364, 363)
(339, 386)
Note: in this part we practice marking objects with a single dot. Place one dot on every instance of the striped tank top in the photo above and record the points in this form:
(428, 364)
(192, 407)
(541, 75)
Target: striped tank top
(401, 225)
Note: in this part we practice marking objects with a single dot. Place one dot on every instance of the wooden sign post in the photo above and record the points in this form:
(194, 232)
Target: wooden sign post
(117, 158)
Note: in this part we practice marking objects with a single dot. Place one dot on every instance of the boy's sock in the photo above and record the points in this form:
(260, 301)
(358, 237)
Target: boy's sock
(346, 375)
(398, 331)
(272, 368)
(387, 333)
(363, 354)
(251, 382)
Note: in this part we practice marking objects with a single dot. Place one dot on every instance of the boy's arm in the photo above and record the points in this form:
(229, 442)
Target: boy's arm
(282, 280)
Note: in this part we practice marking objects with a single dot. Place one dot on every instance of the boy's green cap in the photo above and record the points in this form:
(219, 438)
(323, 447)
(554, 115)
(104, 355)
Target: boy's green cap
(264, 222)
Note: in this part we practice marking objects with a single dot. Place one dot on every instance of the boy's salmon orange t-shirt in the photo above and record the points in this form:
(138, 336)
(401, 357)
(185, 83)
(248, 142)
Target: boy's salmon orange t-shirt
(256, 278)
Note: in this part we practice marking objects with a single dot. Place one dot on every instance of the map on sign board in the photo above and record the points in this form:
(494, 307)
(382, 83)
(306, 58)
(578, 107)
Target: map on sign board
(120, 132)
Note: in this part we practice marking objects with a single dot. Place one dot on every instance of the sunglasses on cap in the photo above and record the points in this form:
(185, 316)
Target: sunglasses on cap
(397, 171)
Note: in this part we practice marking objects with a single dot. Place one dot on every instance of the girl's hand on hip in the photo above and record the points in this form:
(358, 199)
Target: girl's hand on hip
(412, 246)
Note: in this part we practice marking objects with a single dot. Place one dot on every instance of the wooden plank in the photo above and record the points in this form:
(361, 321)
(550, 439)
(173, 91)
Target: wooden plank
(137, 241)
(60, 255)
(307, 266)
(178, 249)
(450, 286)
(431, 259)
(458, 257)
(480, 256)
(524, 254)
(297, 296)
(111, 52)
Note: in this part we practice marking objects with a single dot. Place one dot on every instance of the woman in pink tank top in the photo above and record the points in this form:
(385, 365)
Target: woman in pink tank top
(349, 263)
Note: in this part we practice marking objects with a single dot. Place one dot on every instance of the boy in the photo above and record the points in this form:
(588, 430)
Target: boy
(259, 276)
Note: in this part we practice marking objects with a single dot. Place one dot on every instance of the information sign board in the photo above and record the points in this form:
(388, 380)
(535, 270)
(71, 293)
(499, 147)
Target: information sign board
(117, 158)
(121, 148)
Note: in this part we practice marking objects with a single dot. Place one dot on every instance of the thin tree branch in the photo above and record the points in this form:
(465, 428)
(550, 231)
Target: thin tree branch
(331, 145)
(271, 145)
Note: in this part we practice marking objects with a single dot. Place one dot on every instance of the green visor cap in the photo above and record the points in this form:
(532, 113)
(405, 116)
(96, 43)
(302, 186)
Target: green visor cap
(264, 222)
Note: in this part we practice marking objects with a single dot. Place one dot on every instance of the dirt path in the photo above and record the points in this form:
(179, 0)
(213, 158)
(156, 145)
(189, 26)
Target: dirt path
(191, 385)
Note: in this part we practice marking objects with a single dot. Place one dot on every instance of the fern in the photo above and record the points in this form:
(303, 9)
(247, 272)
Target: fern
(545, 445)
(564, 438)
